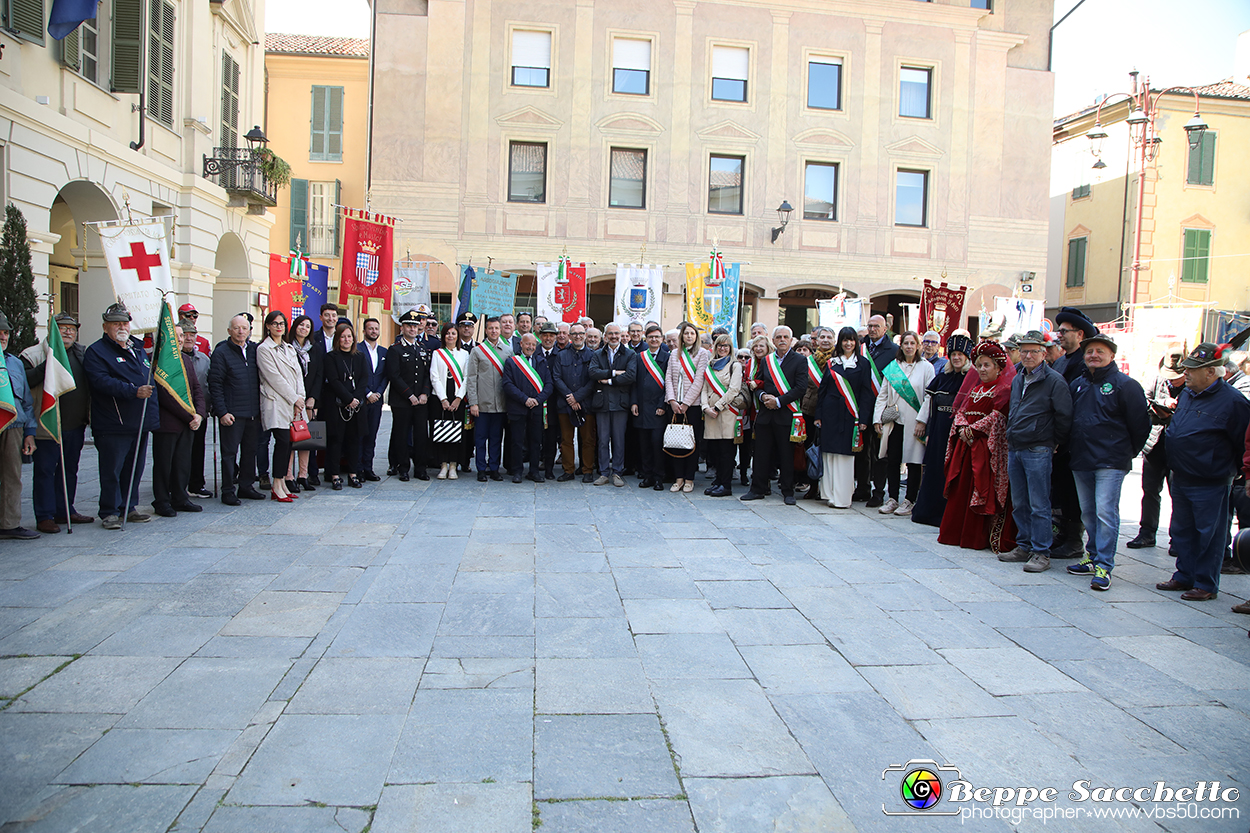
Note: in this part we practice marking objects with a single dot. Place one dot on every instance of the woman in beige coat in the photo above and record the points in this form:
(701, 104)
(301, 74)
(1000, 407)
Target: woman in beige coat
(722, 406)
(281, 397)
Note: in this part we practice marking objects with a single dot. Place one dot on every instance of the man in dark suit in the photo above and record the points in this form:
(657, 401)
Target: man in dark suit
(774, 416)
(570, 369)
(614, 370)
(322, 343)
(551, 433)
(649, 410)
(408, 371)
(234, 387)
(375, 363)
(870, 468)
(527, 386)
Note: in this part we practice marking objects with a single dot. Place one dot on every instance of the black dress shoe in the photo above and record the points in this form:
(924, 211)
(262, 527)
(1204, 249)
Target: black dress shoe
(353, 481)
(251, 494)
(516, 478)
(336, 484)
(538, 478)
(481, 477)
(404, 478)
(391, 472)
(421, 474)
(166, 512)
(790, 501)
(566, 477)
(751, 496)
(550, 475)
(229, 499)
(708, 490)
(496, 476)
(588, 478)
(718, 491)
(370, 476)
(875, 501)
(742, 480)
(189, 507)
(644, 483)
(314, 481)
(1141, 542)
(659, 487)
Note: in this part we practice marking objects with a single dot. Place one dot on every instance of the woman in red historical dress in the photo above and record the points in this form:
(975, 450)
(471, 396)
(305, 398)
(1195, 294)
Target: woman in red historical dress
(978, 503)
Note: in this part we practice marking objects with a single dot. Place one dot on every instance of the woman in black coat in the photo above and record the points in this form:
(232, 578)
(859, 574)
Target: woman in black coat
(935, 418)
(650, 410)
(843, 410)
(345, 384)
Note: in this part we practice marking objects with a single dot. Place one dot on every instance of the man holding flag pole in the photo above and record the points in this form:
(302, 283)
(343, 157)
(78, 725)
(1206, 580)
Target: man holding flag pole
(58, 382)
(17, 437)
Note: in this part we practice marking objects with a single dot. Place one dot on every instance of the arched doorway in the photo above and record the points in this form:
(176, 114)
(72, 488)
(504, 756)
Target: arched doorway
(798, 309)
(78, 275)
(232, 291)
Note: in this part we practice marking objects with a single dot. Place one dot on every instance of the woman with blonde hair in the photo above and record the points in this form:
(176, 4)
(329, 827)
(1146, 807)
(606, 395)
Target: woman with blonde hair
(281, 398)
(722, 409)
(683, 386)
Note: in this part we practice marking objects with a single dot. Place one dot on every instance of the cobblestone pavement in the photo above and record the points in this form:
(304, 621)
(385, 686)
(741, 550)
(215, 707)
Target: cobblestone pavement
(457, 656)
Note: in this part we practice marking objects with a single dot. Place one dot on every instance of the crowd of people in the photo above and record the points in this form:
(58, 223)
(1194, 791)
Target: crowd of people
(1018, 446)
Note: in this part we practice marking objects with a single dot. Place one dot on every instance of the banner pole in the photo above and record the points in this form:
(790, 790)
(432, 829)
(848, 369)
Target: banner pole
(143, 415)
(69, 515)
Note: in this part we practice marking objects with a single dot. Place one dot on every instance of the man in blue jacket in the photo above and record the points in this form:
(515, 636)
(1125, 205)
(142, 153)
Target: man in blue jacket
(234, 388)
(527, 386)
(570, 371)
(1110, 424)
(117, 371)
(1206, 441)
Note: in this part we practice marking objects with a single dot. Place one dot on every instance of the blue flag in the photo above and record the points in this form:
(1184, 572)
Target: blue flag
(68, 14)
(464, 298)
(316, 288)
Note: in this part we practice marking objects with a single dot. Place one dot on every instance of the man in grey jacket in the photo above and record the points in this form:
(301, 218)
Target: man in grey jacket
(487, 404)
(1039, 418)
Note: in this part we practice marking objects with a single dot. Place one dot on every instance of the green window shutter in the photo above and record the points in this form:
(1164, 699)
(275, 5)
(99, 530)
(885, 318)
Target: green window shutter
(161, 62)
(70, 54)
(338, 213)
(229, 101)
(1197, 255)
(1201, 169)
(127, 17)
(317, 138)
(26, 19)
(334, 124)
(299, 215)
(1076, 261)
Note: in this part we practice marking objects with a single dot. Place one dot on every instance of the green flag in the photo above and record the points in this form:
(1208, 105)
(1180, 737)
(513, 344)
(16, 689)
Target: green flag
(169, 371)
(8, 404)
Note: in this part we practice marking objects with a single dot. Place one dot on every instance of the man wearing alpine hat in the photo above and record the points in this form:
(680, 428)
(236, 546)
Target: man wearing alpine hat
(189, 312)
(1110, 424)
(1206, 441)
(1074, 327)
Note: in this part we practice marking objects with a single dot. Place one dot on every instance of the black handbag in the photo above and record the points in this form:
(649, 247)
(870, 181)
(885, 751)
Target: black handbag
(317, 437)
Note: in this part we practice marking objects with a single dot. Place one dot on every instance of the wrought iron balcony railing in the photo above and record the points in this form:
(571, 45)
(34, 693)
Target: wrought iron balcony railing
(239, 171)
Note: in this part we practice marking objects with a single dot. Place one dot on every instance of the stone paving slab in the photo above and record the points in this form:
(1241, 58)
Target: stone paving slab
(474, 656)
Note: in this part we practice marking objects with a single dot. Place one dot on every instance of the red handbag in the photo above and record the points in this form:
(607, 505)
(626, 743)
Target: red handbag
(299, 430)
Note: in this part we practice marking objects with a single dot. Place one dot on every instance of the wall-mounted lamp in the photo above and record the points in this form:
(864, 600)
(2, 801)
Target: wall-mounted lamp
(783, 214)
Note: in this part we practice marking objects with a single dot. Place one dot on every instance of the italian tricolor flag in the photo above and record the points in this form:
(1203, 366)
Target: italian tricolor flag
(58, 379)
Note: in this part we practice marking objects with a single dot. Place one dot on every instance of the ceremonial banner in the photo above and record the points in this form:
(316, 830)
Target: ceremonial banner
(463, 302)
(941, 308)
(712, 295)
(841, 311)
(297, 286)
(562, 291)
(138, 260)
(367, 258)
(1019, 315)
(58, 379)
(638, 293)
(168, 369)
(494, 293)
(316, 291)
(412, 288)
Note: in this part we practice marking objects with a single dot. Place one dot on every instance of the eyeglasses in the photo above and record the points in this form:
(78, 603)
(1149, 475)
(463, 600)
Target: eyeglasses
(926, 341)
(1063, 330)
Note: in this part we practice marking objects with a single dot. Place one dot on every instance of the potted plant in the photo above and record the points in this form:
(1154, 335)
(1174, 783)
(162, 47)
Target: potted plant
(273, 166)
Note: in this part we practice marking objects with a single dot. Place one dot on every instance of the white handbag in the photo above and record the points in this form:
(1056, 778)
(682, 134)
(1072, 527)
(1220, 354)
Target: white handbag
(679, 437)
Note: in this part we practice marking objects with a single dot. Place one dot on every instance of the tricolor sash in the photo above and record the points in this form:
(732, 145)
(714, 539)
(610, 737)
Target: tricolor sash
(773, 365)
(456, 371)
(902, 385)
(653, 367)
(492, 356)
(874, 375)
(720, 388)
(813, 371)
(687, 364)
(530, 373)
(847, 392)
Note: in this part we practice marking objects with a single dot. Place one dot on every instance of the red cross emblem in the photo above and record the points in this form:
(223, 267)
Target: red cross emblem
(141, 261)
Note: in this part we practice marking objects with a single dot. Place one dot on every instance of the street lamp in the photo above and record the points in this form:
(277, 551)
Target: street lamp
(256, 138)
(783, 214)
(1143, 131)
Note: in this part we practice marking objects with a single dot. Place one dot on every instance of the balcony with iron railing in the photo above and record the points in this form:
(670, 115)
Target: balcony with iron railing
(241, 172)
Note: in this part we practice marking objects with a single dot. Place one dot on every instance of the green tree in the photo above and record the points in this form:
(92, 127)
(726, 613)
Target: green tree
(17, 281)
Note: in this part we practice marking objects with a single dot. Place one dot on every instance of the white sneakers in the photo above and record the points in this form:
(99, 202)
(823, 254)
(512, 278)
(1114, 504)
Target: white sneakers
(889, 507)
(904, 508)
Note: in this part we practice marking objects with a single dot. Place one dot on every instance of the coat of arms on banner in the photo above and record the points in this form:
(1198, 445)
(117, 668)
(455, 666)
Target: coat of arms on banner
(367, 263)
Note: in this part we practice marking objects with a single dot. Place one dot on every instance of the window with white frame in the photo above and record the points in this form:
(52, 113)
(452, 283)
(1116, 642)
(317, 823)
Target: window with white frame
(531, 58)
(322, 215)
(730, 67)
(631, 66)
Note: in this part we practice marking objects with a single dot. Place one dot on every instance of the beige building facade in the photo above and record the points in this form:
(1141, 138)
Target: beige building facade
(76, 151)
(910, 138)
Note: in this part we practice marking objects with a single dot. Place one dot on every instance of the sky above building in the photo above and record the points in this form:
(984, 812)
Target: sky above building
(1174, 43)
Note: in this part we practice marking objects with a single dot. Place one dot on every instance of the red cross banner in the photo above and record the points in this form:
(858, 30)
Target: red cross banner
(138, 260)
(941, 308)
(367, 259)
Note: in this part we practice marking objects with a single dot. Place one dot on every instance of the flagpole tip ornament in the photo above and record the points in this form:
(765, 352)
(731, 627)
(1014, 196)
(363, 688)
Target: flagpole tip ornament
(116, 312)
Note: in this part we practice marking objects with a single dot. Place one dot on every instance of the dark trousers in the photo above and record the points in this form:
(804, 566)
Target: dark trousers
(1154, 473)
(195, 480)
(1063, 496)
(551, 440)
(262, 451)
(720, 454)
(651, 454)
(118, 453)
(281, 452)
(1199, 531)
(525, 435)
(866, 468)
(238, 441)
(343, 440)
(611, 429)
(171, 467)
(488, 440)
(633, 460)
(893, 463)
(881, 465)
(372, 415)
(772, 453)
(47, 490)
(745, 449)
(409, 424)
(685, 468)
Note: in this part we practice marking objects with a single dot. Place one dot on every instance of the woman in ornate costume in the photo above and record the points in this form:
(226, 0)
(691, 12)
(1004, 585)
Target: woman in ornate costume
(934, 426)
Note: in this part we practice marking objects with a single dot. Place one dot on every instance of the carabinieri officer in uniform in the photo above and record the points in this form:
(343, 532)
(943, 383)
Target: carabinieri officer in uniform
(408, 369)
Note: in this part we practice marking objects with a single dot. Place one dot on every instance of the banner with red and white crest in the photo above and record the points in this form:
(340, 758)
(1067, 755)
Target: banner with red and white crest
(941, 307)
(367, 260)
(562, 290)
(138, 260)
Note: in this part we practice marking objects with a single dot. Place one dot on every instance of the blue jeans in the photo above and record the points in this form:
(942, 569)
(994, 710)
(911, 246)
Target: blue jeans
(1099, 491)
(1199, 531)
(47, 490)
(1029, 471)
(488, 437)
